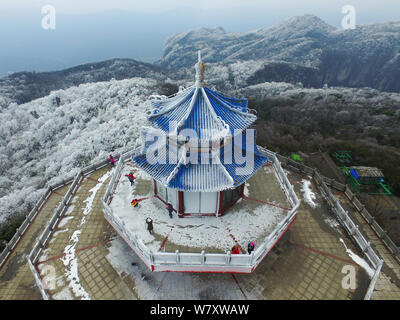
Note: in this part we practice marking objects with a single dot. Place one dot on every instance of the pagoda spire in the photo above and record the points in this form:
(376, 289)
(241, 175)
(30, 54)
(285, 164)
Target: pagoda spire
(200, 67)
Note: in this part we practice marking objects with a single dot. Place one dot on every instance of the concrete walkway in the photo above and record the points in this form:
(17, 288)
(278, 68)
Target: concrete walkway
(388, 284)
(16, 279)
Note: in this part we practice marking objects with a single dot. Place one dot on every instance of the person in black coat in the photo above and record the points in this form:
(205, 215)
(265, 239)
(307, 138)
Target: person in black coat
(250, 247)
(149, 222)
(170, 209)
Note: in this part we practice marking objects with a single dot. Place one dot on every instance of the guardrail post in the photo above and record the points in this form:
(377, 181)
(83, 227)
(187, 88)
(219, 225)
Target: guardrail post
(228, 257)
(251, 258)
(151, 257)
(203, 257)
(177, 256)
(372, 220)
(367, 247)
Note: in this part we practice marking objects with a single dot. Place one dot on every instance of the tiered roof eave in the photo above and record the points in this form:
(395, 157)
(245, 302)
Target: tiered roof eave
(202, 112)
(202, 123)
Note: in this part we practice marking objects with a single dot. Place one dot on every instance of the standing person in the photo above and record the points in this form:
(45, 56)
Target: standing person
(170, 209)
(149, 222)
(112, 160)
(131, 178)
(235, 249)
(250, 247)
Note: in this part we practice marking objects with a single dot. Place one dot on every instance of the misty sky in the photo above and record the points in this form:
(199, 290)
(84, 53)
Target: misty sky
(95, 30)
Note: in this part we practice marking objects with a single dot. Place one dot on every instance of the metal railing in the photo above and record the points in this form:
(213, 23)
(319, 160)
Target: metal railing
(200, 261)
(203, 259)
(342, 216)
(381, 233)
(44, 239)
(10, 246)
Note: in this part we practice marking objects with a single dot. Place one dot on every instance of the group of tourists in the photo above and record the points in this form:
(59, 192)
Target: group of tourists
(236, 247)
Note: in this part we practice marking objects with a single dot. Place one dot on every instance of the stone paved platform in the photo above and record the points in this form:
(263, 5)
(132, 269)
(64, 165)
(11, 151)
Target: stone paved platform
(16, 279)
(306, 264)
(250, 219)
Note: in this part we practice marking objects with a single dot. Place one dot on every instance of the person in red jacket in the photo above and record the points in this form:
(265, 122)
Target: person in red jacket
(131, 178)
(112, 160)
(235, 249)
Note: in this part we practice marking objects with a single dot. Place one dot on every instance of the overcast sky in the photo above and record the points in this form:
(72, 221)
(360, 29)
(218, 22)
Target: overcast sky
(94, 30)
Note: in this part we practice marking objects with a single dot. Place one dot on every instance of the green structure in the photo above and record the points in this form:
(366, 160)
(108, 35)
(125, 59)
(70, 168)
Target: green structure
(367, 180)
(343, 157)
(295, 157)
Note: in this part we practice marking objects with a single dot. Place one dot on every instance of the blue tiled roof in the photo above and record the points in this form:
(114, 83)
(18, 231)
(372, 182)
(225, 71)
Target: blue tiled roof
(205, 111)
(207, 175)
(211, 116)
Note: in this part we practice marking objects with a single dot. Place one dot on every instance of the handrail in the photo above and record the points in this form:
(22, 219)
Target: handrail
(44, 238)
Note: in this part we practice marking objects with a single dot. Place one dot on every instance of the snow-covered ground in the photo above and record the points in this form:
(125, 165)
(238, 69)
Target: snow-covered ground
(244, 222)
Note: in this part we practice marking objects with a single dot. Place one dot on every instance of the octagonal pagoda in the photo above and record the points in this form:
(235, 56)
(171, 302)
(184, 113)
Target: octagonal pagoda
(199, 150)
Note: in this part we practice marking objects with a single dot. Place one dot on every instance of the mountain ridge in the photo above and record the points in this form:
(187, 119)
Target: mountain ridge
(301, 49)
(367, 56)
(22, 87)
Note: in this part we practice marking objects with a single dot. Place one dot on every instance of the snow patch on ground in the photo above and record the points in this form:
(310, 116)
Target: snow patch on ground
(333, 223)
(71, 263)
(64, 221)
(360, 261)
(70, 260)
(308, 194)
(53, 238)
(246, 191)
(70, 209)
(59, 231)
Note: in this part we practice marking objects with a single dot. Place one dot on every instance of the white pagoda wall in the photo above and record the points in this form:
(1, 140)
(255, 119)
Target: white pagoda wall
(200, 202)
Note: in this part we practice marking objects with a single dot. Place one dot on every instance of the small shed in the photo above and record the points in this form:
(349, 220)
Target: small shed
(367, 175)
